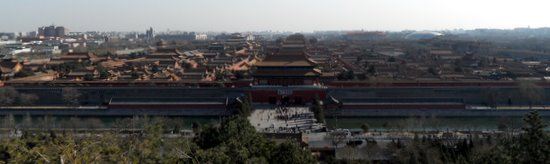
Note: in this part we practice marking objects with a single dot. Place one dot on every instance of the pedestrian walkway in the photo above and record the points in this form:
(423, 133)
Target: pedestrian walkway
(284, 120)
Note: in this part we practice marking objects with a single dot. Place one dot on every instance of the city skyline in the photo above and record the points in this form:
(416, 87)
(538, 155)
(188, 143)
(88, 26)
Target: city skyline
(274, 81)
(282, 15)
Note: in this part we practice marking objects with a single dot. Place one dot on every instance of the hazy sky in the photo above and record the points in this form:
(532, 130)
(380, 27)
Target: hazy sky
(276, 15)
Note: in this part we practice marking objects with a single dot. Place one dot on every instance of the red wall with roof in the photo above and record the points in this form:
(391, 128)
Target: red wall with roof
(264, 96)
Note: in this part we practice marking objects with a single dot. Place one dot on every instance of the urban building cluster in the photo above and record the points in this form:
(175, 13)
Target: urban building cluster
(52, 54)
(285, 83)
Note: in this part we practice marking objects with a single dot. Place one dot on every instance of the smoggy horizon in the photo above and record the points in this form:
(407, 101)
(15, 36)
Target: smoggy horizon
(270, 15)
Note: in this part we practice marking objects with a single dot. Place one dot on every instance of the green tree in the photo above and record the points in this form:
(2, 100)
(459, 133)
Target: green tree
(236, 138)
(103, 72)
(534, 144)
(432, 71)
(4, 154)
(365, 127)
(318, 109)
(392, 59)
(242, 106)
(89, 77)
(147, 150)
(530, 146)
(236, 141)
(290, 153)
(371, 69)
(196, 127)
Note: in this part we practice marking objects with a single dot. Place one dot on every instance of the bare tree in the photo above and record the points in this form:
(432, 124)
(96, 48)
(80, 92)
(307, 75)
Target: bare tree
(531, 92)
(8, 96)
(337, 137)
(27, 121)
(71, 96)
(491, 97)
(27, 99)
(8, 122)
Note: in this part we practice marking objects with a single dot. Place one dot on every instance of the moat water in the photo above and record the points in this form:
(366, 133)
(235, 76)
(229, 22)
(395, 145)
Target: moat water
(431, 124)
(376, 123)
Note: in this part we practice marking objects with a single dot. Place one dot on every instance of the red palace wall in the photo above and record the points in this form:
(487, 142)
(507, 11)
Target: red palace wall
(168, 106)
(268, 95)
(405, 106)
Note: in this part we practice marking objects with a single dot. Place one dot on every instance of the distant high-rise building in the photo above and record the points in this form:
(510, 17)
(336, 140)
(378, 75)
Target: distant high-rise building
(201, 37)
(52, 31)
(49, 31)
(150, 34)
(7, 36)
(60, 31)
(32, 34)
(40, 32)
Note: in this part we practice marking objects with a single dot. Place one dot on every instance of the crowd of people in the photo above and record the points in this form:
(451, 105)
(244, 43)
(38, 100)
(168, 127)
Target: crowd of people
(285, 119)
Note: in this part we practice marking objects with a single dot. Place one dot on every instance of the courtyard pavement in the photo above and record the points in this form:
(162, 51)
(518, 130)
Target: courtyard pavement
(284, 120)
